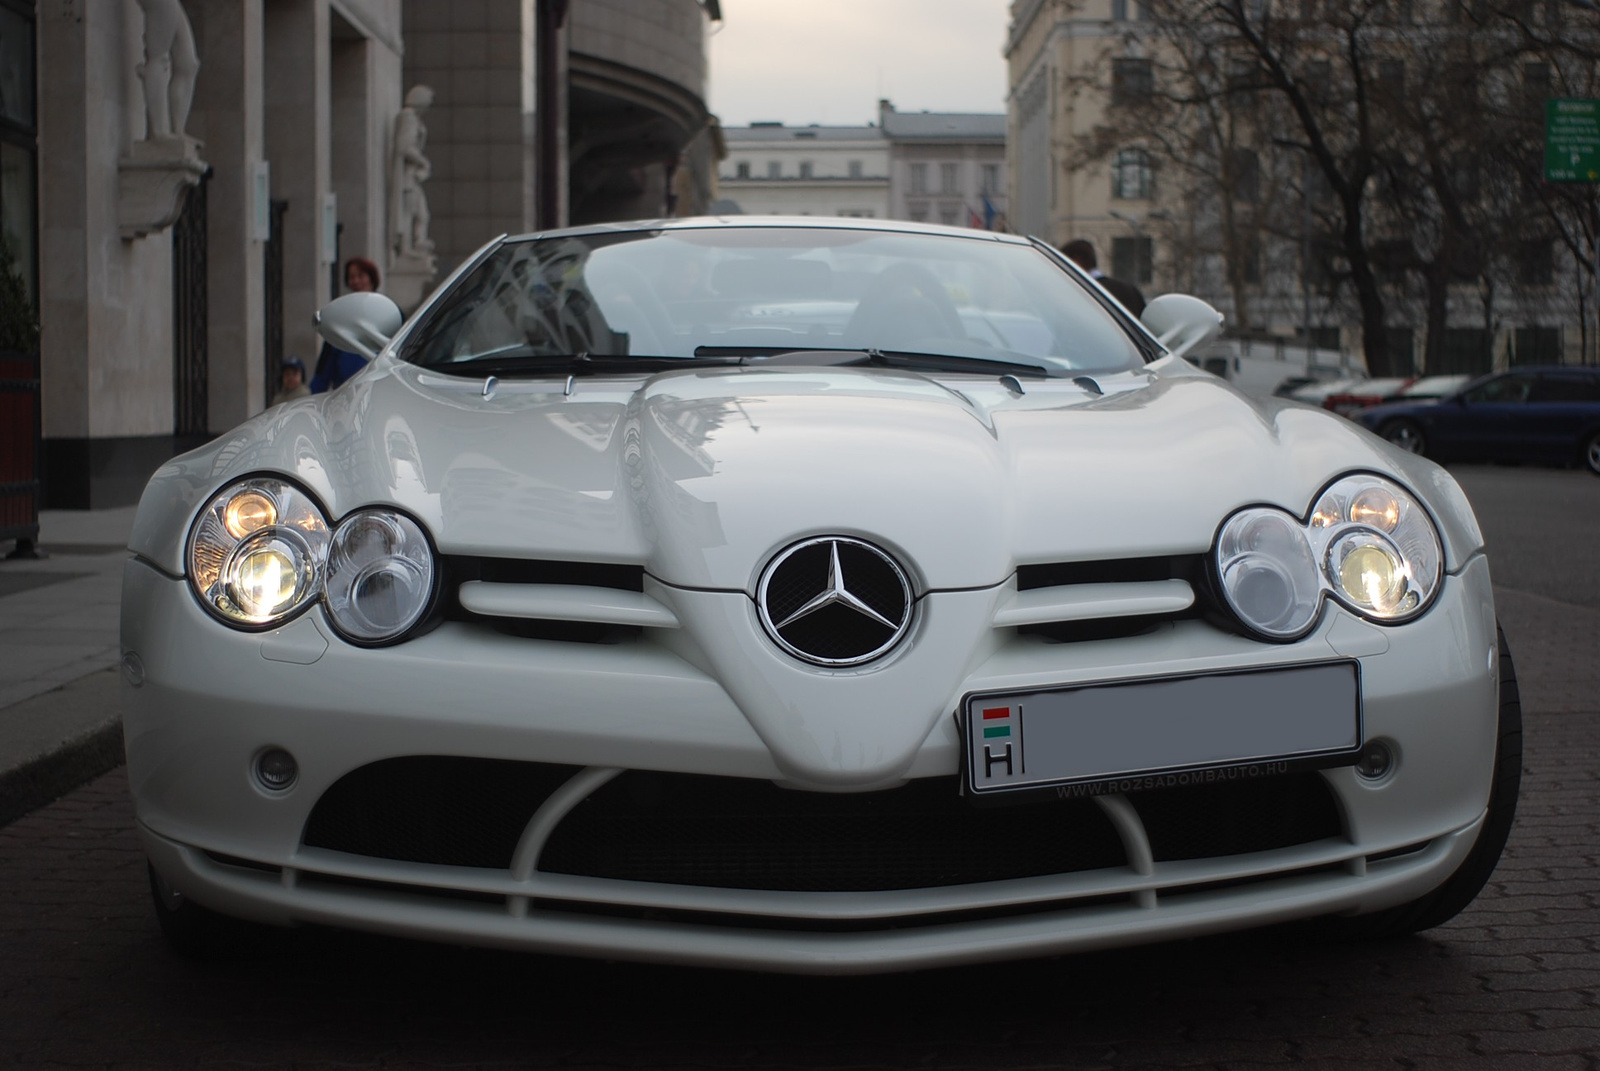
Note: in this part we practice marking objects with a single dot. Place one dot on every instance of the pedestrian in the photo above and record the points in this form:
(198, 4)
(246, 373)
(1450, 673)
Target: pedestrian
(291, 381)
(360, 275)
(334, 365)
(1081, 252)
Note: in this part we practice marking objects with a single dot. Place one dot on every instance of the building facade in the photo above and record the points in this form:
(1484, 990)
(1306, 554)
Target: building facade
(1244, 236)
(639, 140)
(200, 167)
(934, 167)
(772, 169)
(947, 167)
(181, 182)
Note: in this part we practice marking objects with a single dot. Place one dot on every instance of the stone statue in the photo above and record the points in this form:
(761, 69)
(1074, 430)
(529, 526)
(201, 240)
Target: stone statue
(169, 67)
(410, 170)
(159, 168)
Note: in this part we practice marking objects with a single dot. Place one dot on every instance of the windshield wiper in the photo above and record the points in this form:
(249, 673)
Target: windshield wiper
(573, 364)
(870, 356)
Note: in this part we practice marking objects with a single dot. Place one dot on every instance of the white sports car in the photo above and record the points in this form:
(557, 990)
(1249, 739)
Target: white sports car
(815, 596)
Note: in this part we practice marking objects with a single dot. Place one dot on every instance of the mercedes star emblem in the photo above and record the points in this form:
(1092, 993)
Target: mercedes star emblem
(835, 601)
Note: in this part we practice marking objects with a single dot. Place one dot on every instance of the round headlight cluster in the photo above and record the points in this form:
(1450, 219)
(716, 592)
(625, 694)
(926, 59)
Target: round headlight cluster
(1367, 543)
(261, 552)
(380, 575)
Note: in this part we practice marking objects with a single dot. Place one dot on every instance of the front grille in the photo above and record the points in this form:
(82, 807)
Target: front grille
(741, 833)
(1190, 567)
(434, 809)
(1236, 817)
(746, 834)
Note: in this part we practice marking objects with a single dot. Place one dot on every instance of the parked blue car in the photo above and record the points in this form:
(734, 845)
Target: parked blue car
(1549, 415)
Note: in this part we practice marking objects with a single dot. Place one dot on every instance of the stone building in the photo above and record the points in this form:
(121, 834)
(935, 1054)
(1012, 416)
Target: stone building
(182, 180)
(773, 169)
(640, 143)
(201, 167)
(935, 167)
(947, 167)
(1074, 63)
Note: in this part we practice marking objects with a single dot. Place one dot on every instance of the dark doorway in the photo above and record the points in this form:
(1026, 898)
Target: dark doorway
(190, 375)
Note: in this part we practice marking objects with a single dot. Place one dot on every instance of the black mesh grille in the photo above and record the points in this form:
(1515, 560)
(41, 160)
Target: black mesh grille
(746, 834)
(434, 809)
(1236, 817)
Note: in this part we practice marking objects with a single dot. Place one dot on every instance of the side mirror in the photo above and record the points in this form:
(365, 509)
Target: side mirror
(360, 323)
(1181, 322)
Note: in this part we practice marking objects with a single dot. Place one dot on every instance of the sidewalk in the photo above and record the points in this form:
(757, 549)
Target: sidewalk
(60, 700)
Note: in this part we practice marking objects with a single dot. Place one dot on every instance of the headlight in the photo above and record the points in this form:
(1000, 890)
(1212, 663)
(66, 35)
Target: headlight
(261, 552)
(256, 552)
(380, 575)
(1367, 542)
(1269, 575)
(1383, 558)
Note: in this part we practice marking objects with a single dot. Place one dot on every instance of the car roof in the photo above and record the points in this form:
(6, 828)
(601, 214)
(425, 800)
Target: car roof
(882, 226)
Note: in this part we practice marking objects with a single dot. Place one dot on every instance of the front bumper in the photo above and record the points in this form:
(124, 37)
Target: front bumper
(211, 699)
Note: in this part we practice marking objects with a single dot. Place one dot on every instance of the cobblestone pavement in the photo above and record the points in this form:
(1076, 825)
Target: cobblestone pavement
(1514, 982)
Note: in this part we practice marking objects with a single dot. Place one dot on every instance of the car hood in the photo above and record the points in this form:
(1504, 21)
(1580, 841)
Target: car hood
(702, 475)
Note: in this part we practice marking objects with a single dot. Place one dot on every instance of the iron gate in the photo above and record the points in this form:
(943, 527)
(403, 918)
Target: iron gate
(190, 378)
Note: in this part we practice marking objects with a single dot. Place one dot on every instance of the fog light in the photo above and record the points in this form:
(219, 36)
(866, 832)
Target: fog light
(1376, 760)
(276, 769)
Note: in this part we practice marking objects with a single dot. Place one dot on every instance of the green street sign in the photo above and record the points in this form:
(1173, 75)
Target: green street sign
(1572, 141)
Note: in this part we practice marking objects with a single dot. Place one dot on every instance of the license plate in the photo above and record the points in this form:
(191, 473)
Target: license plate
(1124, 736)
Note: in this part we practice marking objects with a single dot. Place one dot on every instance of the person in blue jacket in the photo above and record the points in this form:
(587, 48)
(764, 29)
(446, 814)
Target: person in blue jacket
(334, 365)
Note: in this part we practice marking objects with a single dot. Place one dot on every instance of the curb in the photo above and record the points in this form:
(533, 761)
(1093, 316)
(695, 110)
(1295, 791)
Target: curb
(93, 748)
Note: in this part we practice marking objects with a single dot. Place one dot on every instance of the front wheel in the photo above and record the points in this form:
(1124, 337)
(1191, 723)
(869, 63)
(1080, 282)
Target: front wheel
(1406, 435)
(1591, 452)
(1449, 899)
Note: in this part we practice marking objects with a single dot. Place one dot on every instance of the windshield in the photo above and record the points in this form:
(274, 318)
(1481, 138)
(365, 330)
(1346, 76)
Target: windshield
(761, 292)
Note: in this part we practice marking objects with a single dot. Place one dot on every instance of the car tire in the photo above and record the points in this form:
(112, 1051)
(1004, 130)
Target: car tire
(196, 932)
(1591, 453)
(1406, 434)
(1459, 890)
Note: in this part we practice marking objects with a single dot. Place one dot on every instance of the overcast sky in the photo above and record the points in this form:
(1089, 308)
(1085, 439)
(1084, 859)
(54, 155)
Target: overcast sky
(828, 61)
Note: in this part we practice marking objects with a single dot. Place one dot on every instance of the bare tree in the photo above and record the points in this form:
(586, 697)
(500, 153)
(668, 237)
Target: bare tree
(1401, 123)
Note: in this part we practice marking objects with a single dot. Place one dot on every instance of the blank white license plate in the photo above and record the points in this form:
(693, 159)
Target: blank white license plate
(1129, 735)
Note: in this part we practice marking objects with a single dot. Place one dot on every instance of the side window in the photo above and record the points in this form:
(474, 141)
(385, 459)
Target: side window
(1511, 388)
(1566, 388)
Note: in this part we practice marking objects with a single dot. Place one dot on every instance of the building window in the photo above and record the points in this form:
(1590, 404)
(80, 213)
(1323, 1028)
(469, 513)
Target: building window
(1124, 10)
(774, 169)
(1536, 345)
(1133, 259)
(855, 168)
(743, 169)
(947, 179)
(948, 214)
(1536, 262)
(1132, 81)
(1246, 175)
(1130, 175)
(919, 178)
(918, 213)
(991, 178)
(805, 169)
(1392, 76)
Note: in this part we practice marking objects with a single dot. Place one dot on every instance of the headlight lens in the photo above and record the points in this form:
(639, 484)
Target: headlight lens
(256, 552)
(1383, 557)
(1269, 575)
(1367, 542)
(380, 577)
